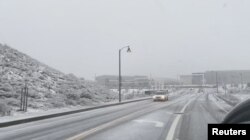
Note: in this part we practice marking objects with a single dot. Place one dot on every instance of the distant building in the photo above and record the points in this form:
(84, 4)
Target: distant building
(128, 82)
(198, 78)
(162, 83)
(233, 77)
(228, 77)
(186, 79)
(193, 79)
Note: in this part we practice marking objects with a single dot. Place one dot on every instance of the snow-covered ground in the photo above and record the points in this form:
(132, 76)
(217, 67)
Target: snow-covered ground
(243, 95)
(219, 102)
(36, 113)
(138, 94)
(234, 95)
(131, 93)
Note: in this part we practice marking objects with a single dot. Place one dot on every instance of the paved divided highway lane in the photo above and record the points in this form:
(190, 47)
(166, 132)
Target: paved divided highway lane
(183, 117)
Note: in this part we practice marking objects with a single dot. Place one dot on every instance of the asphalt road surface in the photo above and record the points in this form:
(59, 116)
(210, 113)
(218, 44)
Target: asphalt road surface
(184, 117)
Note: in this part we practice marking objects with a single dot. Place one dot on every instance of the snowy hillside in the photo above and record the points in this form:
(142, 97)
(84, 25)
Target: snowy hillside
(48, 88)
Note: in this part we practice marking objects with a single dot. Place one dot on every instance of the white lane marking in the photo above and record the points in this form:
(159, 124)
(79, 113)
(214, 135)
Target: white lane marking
(169, 113)
(117, 121)
(156, 123)
(173, 127)
(101, 127)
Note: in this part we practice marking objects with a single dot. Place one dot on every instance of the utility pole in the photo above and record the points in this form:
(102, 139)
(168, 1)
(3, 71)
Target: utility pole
(241, 78)
(24, 98)
(217, 85)
(203, 82)
(150, 81)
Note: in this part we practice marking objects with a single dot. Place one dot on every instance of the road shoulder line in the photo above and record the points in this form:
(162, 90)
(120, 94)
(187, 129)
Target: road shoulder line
(172, 129)
(112, 123)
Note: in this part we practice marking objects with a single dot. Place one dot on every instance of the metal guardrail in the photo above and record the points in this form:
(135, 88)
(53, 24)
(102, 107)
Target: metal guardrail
(32, 119)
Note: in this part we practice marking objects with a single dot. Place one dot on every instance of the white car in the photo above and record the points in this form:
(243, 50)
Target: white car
(160, 96)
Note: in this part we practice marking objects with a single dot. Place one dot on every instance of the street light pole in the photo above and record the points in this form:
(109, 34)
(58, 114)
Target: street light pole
(120, 77)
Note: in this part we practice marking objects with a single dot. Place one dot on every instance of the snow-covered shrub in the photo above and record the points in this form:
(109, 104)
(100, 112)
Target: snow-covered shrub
(12, 102)
(8, 94)
(48, 95)
(84, 101)
(35, 106)
(72, 96)
(86, 95)
(4, 109)
(71, 102)
(129, 96)
(34, 94)
(6, 87)
(58, 104)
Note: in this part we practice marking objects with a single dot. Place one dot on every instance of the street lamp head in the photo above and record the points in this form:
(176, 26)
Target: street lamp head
(129, 50)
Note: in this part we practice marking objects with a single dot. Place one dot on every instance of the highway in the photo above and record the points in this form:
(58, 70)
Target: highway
(184, 117)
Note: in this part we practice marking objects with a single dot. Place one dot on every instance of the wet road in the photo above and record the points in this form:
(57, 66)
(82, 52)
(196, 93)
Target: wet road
(184, 117)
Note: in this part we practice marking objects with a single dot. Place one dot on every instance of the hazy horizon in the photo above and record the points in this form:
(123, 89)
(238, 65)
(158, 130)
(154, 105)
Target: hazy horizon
(167, 38)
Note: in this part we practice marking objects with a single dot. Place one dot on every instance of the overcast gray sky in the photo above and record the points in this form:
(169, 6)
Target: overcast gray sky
(167, 37)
